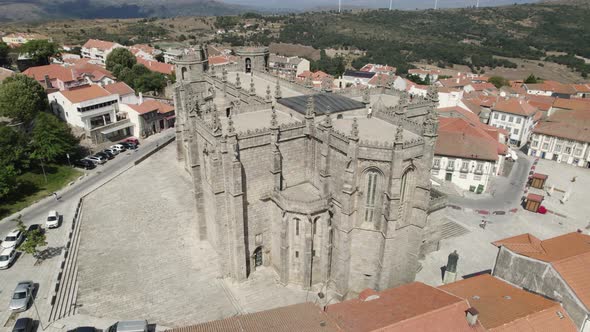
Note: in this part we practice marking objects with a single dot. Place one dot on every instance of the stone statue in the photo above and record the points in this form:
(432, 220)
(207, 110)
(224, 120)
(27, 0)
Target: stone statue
(354, 132)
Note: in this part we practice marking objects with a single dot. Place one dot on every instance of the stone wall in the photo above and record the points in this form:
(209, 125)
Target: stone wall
(540, 278)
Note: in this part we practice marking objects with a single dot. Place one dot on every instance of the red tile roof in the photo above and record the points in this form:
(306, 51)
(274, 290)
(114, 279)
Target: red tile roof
(516, 106)
(85, 93)
(99, 44)
(458, 137)
(534, 198)
(411, 307)
(159, 67)
(572, 104)
(151, 105)
(119, 88)
(98, 72)
(503, 307)
(483, 86)
(573, 125)
(305, 317)
(54, 71)
(142, 47)
(218, 60)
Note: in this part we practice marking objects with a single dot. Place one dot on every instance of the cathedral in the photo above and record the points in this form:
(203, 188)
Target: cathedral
(327, 189)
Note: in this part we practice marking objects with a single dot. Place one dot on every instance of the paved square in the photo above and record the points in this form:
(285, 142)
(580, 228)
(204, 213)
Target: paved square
(140, 257)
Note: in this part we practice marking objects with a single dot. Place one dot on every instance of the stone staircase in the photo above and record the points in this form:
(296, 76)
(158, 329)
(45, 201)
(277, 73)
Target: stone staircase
(63, 303)
(440, 230)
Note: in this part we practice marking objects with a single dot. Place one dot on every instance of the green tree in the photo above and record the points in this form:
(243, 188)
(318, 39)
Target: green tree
(40, 50)
(532, 79)
(498, 81)
(34, 239)
(120, 56)
(4, 60)
(13, 158)
(51, 140)
(160, 57)
(22, 98)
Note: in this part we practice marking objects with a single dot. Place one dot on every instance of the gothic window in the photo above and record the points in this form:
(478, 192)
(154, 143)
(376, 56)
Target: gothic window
(406, 185)
(371, 194)
(297, 226)
(183, 72)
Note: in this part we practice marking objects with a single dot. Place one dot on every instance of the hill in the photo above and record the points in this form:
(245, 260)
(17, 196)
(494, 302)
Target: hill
(30, 10)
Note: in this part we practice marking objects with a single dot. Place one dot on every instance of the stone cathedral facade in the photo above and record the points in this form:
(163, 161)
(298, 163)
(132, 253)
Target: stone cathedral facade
(326, 198)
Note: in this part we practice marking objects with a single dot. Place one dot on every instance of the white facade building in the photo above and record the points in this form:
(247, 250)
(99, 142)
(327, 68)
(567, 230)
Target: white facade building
(98, 49)
(516, 116)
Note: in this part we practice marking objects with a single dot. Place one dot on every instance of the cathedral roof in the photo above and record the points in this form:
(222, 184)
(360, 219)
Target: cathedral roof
(323, 102)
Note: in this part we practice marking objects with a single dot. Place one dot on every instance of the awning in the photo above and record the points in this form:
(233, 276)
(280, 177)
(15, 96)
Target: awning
(170, 117)
(115, 128)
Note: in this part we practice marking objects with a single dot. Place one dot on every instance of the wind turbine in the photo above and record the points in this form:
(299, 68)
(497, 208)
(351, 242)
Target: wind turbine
(477, 4)
(390, 4)
(339, 6)
(435, 4)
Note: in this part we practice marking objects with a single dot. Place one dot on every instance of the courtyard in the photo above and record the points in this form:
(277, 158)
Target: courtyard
(140, 257)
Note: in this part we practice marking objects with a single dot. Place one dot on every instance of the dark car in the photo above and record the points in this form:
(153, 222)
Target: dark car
(84, 329)
(23, 325)
(128, 145)
(84, 163)
(106, 155)
(35, 227)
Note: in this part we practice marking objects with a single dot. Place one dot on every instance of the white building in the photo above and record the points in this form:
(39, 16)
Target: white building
(93, 109)
(563, 138)
(171, 54)
(355, 78)
(149, 117)
(449, 97)
(516, 116)
(287, 67)
(125, 92)
(98, 49)
(467, 154)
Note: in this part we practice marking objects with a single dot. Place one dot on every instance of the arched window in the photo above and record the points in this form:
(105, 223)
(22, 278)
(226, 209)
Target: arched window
(183, 72)
(406, 185)
(371, 194)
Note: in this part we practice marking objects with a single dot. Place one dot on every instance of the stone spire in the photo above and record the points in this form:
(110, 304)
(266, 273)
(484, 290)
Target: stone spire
(380, 80)
(238, 83)
(310, 109)
(366, 96)
(432, 95)
(230, 126)
(273, 119)
(252, 86)
(399, 134)
(379, 105)
(404, 99)
(268, 94)
(216, 122)
(212, 71)
(278, 94)
(224, 74)
(326, 84)
(354, 132)
(308, 82)
(328, 118)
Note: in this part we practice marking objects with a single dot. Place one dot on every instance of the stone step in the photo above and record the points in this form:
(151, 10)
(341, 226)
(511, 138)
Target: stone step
(452, 229)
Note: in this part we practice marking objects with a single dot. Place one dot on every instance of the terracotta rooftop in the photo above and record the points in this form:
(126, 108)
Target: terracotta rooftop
(305, 317)
(99, 44)
(572, 104)
(5, 73)
(458, 137)
(159, 67)
(534, 198)
(585, 88)
(410, 307)
(84, 67)
(151, 105)
(514, 106)
(54, 71)
(573, 125)
(119, 88)
(550, 250)
(503, 307)
(88, 92)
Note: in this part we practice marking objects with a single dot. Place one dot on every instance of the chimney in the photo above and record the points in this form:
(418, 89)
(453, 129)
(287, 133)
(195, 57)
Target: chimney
(48, 82)
(471, 316)
(140, 98)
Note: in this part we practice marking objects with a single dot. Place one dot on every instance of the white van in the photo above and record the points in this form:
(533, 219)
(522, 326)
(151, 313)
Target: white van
(129, 326)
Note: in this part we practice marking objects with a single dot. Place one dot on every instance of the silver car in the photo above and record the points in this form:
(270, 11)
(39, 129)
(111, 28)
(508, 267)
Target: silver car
(23, 293)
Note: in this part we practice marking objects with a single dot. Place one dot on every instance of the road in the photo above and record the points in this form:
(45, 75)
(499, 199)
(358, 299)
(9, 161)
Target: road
(45, 273)
(506, 193)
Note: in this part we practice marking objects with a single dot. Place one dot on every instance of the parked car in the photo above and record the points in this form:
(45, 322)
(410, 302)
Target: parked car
(119, 147)
(21, 298)
(106, 155)
(35, 227)
(23, 325)
(7, 257)
(97, 159)
(84, 163)
(13, 239)
(129, 145)
(131, 140)
(114, 152)
(129, 326)
(52, 219)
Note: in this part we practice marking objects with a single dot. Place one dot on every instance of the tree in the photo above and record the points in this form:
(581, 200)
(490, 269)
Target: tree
(51, 139)
(13, 158)
(120, 56)
(40, 50)
(22, 98)
(498, 81)
(4, 60)
(532, 79)
(34, 239)
(160, 57)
